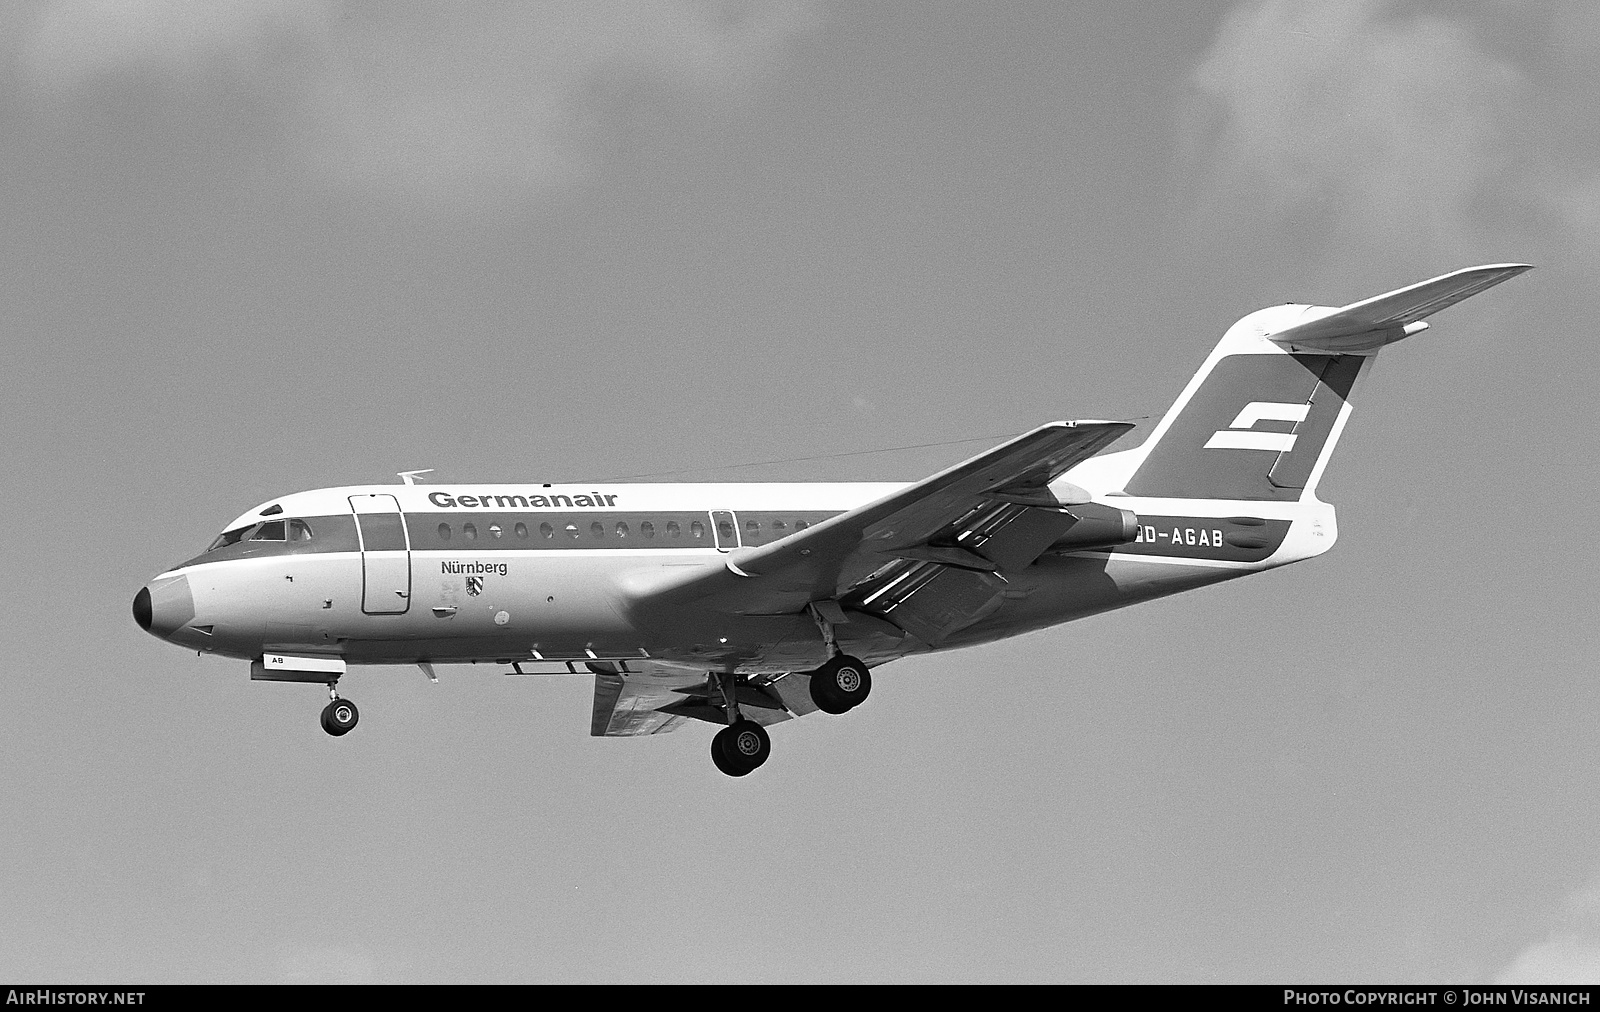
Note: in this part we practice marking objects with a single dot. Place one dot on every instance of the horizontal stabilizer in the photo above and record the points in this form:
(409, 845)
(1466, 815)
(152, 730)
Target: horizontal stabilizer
(1372, 323)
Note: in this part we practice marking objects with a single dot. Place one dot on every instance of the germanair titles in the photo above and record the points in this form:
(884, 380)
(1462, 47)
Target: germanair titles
(448, 501)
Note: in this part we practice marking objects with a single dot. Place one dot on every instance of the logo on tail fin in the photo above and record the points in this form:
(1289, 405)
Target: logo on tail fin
(1239, 435)
(1291, 405)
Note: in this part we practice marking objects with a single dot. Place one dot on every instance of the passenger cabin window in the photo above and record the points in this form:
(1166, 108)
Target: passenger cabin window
(622, 529)
(572, 530)
(597, 529)
(752, 528)
(647, 529)
(697, 530)
(521, 531)
(444, 532)
(273, 530)
(547, 531)
(469, 531)
(672, 529)
(494, 530)
(777, 525)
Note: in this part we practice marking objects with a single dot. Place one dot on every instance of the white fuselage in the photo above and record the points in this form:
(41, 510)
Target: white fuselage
(519, 573)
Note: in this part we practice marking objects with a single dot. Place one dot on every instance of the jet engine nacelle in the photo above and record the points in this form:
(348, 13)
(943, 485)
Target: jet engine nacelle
(1097, 526)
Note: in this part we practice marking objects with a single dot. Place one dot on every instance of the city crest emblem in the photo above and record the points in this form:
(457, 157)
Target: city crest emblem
(474, 586)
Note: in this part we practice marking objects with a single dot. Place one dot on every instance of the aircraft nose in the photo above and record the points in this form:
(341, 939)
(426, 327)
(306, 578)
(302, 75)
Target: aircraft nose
(165, 606)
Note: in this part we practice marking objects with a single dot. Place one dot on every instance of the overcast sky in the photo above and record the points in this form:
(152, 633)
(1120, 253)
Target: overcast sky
(253, 248)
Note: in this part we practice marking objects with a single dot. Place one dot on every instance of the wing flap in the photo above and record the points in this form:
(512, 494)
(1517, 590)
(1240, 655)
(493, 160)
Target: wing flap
(653, 698)
(951, 599)
(625, 707)
(1024, 536)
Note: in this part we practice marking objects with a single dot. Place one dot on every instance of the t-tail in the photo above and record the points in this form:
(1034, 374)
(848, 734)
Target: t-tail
(1260, 419)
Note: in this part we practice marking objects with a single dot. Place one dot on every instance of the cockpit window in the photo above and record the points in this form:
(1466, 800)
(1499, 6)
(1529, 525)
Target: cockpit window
(232, 537)
(285, 536)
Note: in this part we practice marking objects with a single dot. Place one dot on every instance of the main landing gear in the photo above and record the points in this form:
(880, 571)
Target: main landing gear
(740, 748)
(841, 684)
(340, 716)
(743, 745)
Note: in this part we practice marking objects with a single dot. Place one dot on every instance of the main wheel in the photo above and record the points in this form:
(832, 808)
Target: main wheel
(748, 744)
(719, 755)
(339, 717)
(741, 748)
(841, 684)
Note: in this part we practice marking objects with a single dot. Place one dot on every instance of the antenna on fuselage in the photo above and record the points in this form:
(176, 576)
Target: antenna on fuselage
(410, 477)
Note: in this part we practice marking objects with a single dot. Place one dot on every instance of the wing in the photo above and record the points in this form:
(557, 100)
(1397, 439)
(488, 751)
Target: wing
(946, 540)
(649, 697)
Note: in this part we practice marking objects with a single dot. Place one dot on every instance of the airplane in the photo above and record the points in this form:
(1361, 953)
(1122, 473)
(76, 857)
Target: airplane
(745, 604)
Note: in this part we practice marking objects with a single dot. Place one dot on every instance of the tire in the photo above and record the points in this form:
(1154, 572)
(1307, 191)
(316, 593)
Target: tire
(340, 717)
(841, 684)
(721, 755)
(822, 692)
(747, 745)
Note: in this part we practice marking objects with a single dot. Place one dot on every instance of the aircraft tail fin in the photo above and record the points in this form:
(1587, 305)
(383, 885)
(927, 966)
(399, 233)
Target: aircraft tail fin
(1261, 417)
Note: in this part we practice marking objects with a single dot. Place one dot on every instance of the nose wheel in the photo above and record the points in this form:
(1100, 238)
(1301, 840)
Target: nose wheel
(841, 684)
(340, 716)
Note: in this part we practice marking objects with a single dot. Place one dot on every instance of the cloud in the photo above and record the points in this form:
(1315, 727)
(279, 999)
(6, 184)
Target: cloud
(1365, 123)
(1384, 128)
(76, 41)
(1560, 959)
(1570, 954)
(416, 101)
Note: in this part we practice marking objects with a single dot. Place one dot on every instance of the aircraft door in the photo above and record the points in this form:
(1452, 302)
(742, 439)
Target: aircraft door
(725, 527)
(385, 554)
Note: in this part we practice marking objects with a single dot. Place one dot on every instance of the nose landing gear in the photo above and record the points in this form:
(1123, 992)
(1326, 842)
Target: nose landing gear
(340, 716)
